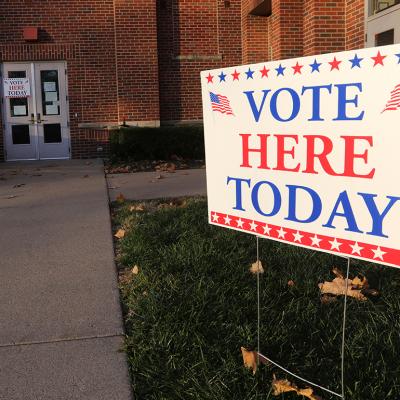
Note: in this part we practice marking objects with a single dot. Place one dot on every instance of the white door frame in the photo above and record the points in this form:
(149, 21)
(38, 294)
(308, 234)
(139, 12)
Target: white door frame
(35, 104)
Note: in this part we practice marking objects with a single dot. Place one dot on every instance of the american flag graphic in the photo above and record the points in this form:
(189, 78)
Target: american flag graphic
(220, 104)
(394, 102)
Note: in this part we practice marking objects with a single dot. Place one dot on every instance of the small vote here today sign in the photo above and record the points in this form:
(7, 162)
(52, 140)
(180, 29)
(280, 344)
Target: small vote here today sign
(307, 151)
(16, 87)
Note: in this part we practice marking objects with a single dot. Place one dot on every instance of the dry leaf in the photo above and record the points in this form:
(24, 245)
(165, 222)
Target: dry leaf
(257, 268)
(249, 359)
(338, 272)
(19, 185)
(159, 177)
(135, 270)
(283, 386)
(290, 283)
(120, 198)
(337, 287)
(120, 233)
(127, 275)
(138, 207)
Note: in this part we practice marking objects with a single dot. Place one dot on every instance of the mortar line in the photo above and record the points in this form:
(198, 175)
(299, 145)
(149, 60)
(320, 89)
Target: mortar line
(73, 339)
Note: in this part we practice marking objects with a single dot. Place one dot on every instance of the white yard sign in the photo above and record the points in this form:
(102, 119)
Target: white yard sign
(16, 87)
(307, 151)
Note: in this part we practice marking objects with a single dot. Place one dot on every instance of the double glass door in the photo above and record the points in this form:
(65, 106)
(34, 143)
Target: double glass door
(36, 127)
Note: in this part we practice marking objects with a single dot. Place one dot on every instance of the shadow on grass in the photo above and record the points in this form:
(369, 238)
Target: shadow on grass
(193, 305)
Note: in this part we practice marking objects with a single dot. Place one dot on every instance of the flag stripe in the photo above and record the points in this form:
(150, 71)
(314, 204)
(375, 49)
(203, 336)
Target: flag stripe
(394, 102)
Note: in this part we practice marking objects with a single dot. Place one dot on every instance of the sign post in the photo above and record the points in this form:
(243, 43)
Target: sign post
(306, 151)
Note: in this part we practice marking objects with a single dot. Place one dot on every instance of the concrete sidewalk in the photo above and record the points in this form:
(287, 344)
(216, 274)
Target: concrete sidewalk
(154, 185)
(60, 318)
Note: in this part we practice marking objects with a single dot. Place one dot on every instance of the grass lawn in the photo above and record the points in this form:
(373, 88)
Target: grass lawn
(193, 305)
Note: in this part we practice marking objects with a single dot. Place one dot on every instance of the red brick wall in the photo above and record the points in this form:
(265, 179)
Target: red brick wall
(355, 24)
(255, 36)
(287, 28)
(145, 67)
(193, 36)
(137, 60)
(82, 34)
(324, 27)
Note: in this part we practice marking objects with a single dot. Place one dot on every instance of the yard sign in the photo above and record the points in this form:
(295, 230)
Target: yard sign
(307, 151)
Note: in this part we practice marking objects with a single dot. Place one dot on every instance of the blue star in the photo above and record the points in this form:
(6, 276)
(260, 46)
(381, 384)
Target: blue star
(249, 74)
(222, 77)
(280, 70)
(355, 62)
(315, 66)
(398, 55)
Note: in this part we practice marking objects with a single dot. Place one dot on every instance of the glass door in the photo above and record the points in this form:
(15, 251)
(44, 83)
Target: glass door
(36, 118)
(51, 111)
(19, 113)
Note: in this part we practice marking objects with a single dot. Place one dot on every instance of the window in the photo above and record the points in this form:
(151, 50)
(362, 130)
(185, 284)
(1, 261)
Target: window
(376, 6)
(384, 38)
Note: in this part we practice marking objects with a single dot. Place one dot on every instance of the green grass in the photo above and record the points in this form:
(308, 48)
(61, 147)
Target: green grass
(193, 305)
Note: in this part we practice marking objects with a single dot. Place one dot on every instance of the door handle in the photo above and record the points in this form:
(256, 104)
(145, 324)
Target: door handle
(39, 119)
(32, 121)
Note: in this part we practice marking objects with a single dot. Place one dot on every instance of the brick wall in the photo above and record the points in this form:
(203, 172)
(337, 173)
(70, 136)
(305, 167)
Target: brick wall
(355, 24)
(139, 60)
(107, 82)
(193, 36)
(287, 28)
(256, 38)
(324, 26)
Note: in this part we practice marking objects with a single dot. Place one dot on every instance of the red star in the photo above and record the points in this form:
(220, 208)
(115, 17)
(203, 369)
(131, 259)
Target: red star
(335, 64)
(236, 75)
(264, 72)
(210, 78)
(297, 68)
(378, 59)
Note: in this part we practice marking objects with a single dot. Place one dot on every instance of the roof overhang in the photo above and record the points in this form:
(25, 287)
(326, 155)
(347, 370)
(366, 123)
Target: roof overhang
(261, 7)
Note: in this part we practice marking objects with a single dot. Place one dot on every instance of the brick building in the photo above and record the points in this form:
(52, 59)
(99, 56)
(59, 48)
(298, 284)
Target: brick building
(90, 65)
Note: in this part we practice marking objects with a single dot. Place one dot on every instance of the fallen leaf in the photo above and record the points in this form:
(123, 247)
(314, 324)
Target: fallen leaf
(290, 283)
(159, 177)
(138, 207)
(338, 272)
(360, 283)
(281, 386)
(120, 198)
(355, 287)
(127, 275)
(257, 268)
(19, 185)
(13, 196)
(120, 233)
(135, 270)
(249, 359)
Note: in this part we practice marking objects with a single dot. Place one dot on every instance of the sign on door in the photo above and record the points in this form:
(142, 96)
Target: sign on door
(16, 87)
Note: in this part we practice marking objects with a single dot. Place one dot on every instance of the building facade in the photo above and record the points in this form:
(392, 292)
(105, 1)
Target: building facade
(75, 69)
